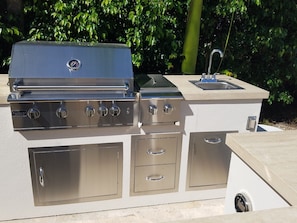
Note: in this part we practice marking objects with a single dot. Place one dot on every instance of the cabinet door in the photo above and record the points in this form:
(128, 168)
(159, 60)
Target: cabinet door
(76, 173)
(209, 160)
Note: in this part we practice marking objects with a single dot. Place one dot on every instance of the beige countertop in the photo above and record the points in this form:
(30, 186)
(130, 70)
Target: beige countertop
(4, 89)
(273, 156)
(191, 92)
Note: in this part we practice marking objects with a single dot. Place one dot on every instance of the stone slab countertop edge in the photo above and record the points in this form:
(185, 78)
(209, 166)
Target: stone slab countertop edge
(273, 156)
(192, 92)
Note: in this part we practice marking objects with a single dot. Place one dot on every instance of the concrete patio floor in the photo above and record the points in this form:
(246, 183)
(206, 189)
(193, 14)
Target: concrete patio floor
(148, 214)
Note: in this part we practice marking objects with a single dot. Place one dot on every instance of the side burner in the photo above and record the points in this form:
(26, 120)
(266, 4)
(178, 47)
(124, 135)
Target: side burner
(160, 100)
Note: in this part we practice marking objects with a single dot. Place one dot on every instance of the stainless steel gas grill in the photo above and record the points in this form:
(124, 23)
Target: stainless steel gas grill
(66, 85)
(160, 100)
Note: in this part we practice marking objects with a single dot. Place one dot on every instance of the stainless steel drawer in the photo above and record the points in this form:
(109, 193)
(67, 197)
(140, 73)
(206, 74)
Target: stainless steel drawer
(154, 178)
(156, 150)
(155, 163)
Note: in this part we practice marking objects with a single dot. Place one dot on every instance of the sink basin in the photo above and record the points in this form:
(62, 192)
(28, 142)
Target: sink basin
(219, 85)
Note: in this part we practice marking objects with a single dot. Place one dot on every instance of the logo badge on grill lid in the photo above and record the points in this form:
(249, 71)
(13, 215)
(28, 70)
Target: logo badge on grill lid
(73, 64)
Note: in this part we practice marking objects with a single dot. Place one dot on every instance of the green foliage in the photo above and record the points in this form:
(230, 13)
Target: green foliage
(263, 43)
(153, 29)
(9, 33)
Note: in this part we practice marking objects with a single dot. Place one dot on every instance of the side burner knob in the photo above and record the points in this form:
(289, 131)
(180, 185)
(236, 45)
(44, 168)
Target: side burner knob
(61, 112)
(33, 113)
(167, 108)
(90, 111)
(102, 110)
(114, 110)
(152, 109)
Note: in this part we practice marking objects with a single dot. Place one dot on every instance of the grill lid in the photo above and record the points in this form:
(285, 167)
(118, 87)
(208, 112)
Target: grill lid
(44, 70)
(44, 59)
(156, 86)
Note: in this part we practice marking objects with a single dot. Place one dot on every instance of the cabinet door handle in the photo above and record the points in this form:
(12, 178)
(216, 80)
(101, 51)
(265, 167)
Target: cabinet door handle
(41, 176)
(155, 178)
(214, 140)
(155, 153)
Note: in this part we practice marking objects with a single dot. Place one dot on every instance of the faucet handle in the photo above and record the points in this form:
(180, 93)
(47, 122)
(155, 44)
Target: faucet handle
(214, 76)
(203, 77)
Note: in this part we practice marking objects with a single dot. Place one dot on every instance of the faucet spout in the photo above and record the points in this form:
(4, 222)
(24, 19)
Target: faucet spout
(210, 59)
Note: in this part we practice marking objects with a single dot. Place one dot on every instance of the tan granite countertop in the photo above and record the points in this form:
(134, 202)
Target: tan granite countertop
(191, 92)
(4, 89)
(273, 156)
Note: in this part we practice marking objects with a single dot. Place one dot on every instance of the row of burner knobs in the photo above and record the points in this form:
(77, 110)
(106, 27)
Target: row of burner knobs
(90, 111)
(114, 110)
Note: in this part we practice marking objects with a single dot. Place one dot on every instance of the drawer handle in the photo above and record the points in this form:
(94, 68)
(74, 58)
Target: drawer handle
(41, 176)
(155, 178)
(155, 153)
(214, 140)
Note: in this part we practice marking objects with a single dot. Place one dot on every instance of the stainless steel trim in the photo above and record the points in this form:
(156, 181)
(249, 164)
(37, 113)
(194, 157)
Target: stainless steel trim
(71, 88)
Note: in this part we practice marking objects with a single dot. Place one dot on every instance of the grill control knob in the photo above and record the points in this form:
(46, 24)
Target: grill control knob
(102, 110)
(61, 112)
(167, 108)
(90, 111)
(152, 109)
(33, 113)
(114, 110)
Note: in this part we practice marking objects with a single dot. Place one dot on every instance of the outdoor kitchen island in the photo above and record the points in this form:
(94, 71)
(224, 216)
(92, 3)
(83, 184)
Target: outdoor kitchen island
(202, 111)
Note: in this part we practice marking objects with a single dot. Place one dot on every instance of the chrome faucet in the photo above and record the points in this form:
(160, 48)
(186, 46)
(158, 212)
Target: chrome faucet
(210, 64)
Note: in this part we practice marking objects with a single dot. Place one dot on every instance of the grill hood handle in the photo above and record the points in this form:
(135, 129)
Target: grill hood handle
(70, 88)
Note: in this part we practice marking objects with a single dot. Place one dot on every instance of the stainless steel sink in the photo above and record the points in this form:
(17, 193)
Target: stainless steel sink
(218, 85)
